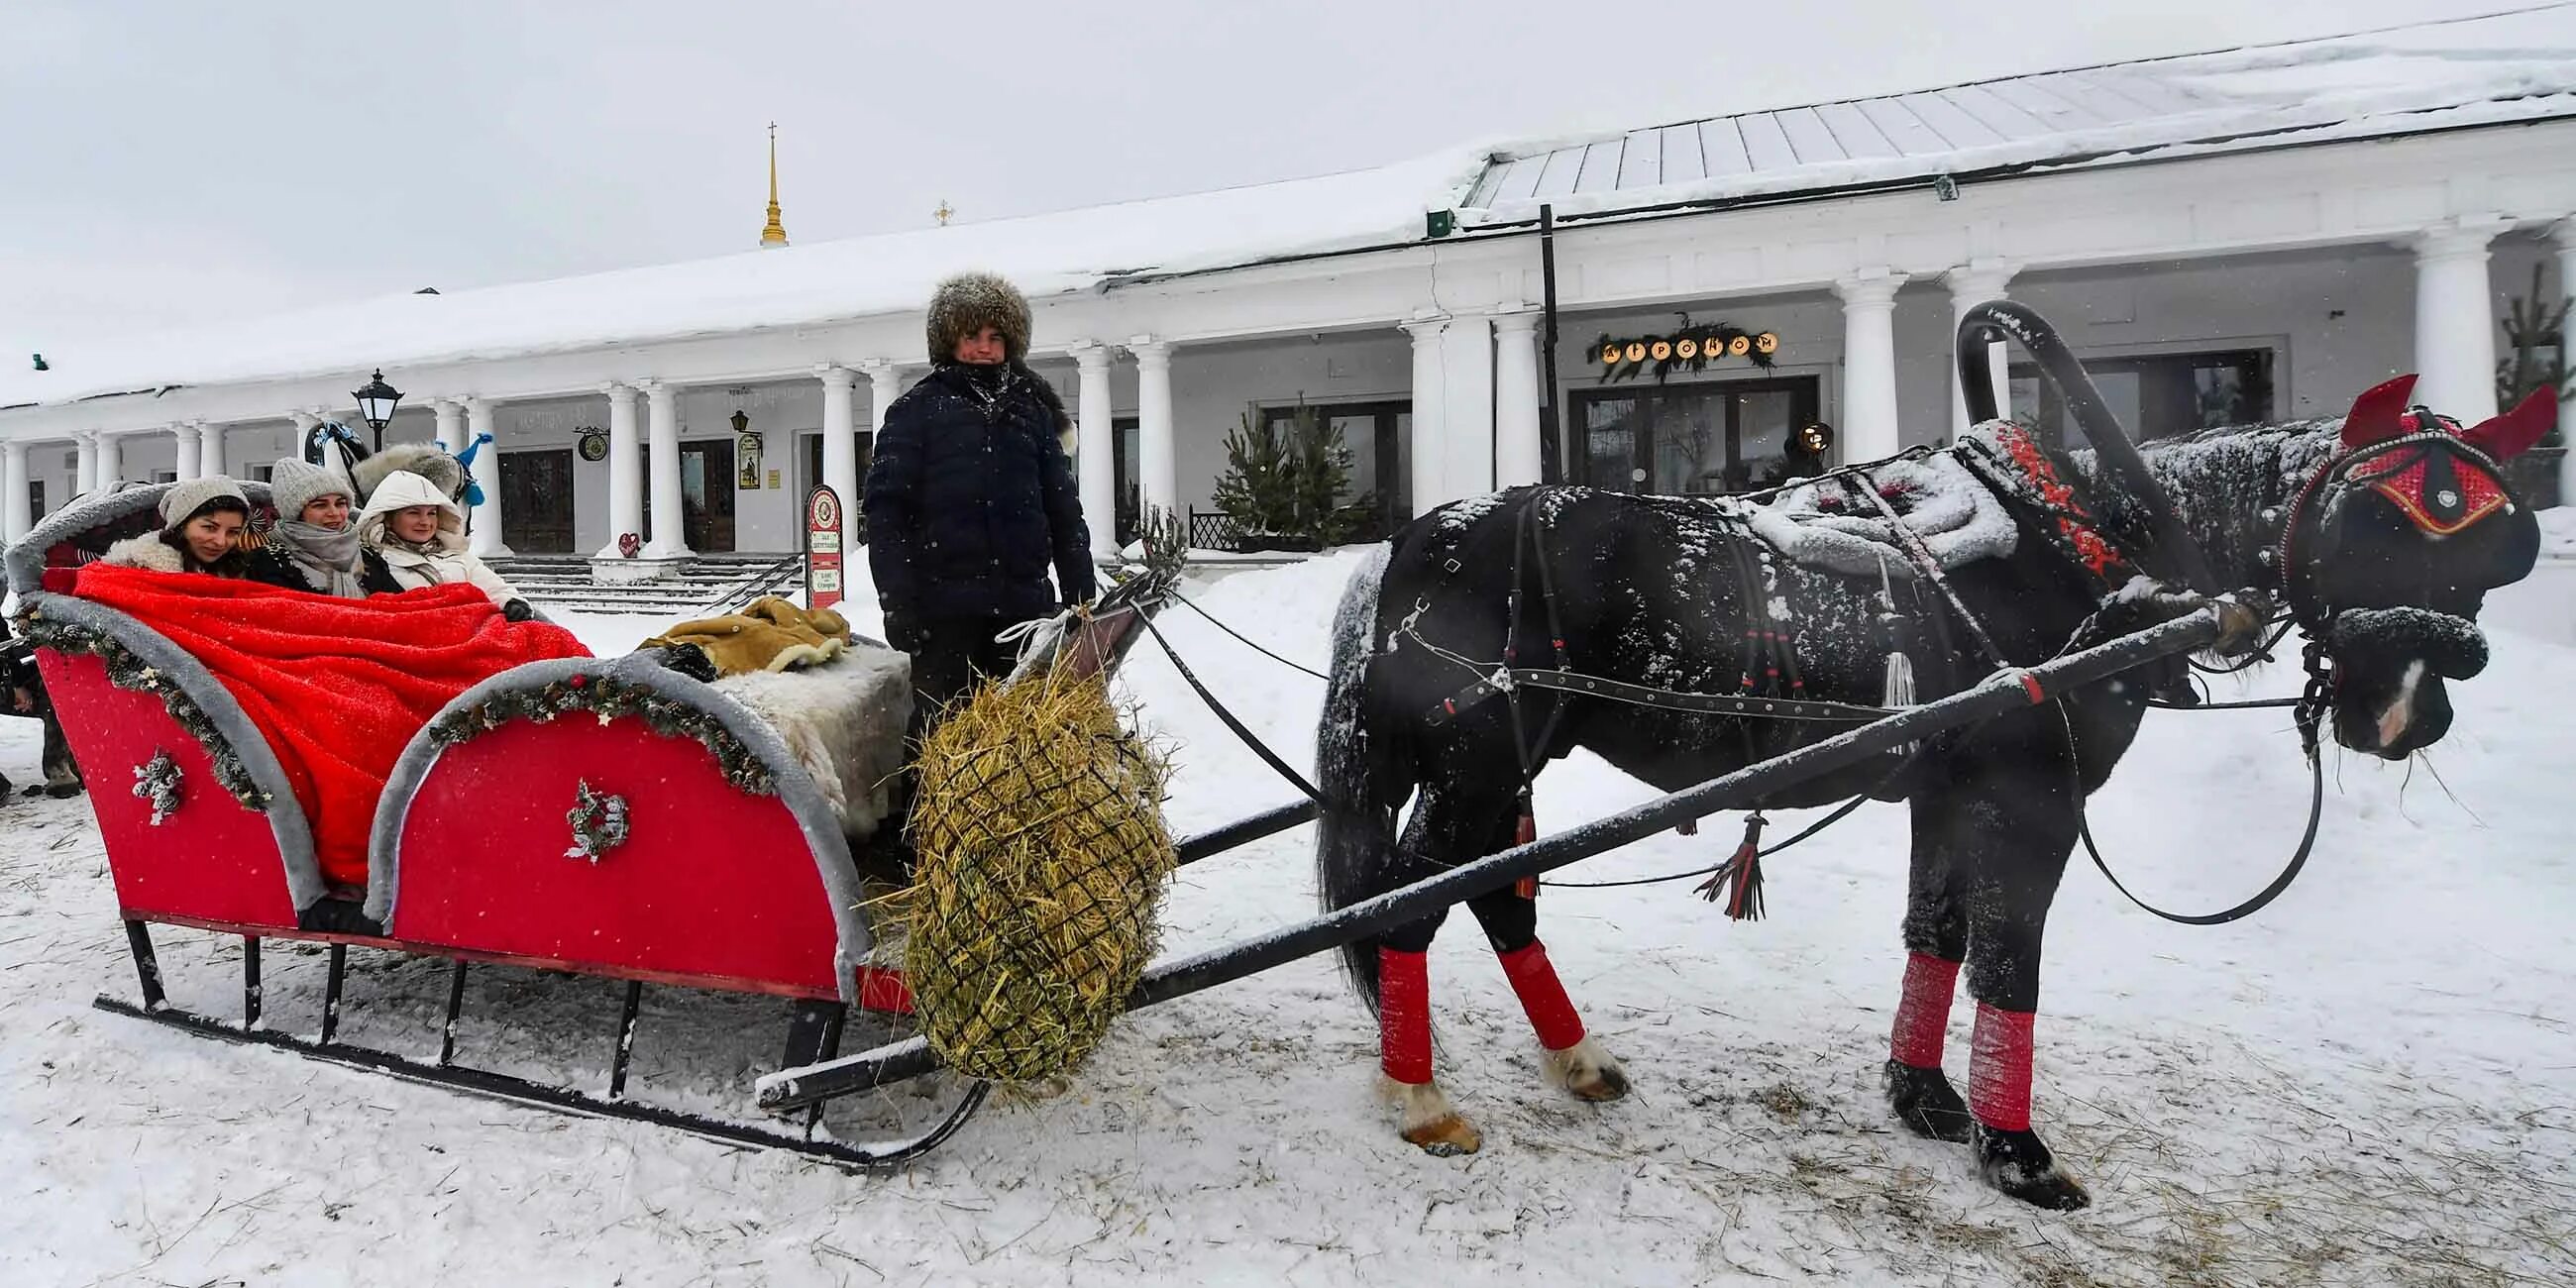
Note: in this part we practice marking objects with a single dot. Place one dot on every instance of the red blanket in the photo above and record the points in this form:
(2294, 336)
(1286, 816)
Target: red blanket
(339, 686)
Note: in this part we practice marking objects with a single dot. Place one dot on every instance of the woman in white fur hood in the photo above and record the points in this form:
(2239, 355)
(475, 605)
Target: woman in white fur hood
(421, 535)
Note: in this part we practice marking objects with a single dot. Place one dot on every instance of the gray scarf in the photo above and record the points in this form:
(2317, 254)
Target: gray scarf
(328, 559)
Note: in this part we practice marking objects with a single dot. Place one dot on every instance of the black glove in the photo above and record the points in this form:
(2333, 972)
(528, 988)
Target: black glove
(901, 630)
(517, 610)
(691, 661)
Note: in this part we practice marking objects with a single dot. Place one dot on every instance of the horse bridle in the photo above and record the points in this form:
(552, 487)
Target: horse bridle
(2326, 487)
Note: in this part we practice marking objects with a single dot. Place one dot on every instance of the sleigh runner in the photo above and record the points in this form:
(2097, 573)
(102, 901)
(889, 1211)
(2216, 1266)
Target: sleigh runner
(1492, 677)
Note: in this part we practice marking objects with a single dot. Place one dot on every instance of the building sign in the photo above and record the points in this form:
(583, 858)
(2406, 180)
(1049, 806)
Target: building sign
(822, 548)
(1688, 348)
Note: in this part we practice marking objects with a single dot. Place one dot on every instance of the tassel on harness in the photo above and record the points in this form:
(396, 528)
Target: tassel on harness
(1739, 882)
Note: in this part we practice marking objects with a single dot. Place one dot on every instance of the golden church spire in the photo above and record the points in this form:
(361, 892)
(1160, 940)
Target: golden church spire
(773, 233)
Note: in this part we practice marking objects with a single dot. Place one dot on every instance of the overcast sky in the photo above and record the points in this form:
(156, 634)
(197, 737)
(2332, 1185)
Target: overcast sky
(173, 162)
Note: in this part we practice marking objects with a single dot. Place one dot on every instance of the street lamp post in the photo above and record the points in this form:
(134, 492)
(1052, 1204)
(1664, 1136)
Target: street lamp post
(376, 403)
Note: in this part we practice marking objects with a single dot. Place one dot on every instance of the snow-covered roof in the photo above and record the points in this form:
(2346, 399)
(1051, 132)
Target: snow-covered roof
(791, 286)
(2510, 67)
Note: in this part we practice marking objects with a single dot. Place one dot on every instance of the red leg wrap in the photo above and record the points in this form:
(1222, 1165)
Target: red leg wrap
(1999, 1069)
(1551, 1013)
(1404, 1015)
(1923, 1014)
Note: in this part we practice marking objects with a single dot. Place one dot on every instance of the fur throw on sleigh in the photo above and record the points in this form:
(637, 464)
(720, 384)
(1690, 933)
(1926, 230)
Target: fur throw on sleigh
(843, 720)
(769, 634)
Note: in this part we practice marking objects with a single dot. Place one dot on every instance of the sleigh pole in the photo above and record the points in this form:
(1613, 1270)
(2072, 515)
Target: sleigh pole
(2000, 694)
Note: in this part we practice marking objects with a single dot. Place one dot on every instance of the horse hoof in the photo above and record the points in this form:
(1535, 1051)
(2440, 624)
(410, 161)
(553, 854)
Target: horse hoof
(1430, 1122)
(2019, 1164)
(1588, 1072)
(1445, 1137)
(1926, 1103)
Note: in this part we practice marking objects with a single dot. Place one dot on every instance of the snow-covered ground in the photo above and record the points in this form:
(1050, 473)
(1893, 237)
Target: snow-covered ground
(2367, 1083)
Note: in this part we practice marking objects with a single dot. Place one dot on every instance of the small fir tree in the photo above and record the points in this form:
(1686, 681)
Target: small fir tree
(1284, 483)
(2537, 334)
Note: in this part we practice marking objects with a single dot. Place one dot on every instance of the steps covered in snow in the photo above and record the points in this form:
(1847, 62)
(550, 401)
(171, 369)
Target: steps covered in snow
(708, 583)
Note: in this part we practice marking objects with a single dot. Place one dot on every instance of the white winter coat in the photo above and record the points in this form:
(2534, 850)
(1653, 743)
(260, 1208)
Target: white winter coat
(447, 562)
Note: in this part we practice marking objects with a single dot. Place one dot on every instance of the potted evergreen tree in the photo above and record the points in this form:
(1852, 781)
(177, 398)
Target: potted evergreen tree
(1284, 484)
(2536, 334)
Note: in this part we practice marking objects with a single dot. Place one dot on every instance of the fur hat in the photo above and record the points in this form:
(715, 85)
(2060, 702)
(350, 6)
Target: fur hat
(968, 303)
(293, 482)
(441, 469)
(186, 497)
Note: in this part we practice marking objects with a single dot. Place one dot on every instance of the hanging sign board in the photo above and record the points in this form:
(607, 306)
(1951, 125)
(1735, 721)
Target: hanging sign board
(822, 548)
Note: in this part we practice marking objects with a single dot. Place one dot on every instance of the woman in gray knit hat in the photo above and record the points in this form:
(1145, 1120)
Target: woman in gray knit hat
(314, 545)
(202, 522)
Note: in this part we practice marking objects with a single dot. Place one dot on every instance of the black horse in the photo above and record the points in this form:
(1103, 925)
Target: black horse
(2379, 534)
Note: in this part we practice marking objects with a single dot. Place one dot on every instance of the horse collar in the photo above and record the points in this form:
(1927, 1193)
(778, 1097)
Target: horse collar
(2076, 533)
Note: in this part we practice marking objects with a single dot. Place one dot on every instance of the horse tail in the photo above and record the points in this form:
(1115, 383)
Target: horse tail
(1356, 767)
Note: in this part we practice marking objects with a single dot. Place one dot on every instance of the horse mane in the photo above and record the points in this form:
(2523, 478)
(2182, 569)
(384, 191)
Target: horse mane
(2229, 486)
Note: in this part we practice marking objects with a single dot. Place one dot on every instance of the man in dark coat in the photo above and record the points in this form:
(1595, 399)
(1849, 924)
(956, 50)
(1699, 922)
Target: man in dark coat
(27, 698)
(970, 496)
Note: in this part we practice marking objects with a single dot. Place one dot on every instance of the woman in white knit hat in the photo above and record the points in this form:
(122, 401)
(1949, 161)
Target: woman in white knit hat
(202, 521)
(314, 545)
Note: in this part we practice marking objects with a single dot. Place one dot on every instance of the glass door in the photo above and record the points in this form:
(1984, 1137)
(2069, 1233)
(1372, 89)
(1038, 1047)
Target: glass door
(536, 501)
(1698, 439)
(706, 496)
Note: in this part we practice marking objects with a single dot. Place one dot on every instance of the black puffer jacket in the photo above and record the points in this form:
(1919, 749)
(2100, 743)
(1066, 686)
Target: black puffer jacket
(970, 498)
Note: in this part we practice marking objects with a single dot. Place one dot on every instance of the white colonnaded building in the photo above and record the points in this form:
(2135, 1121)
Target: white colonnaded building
(2245, 235)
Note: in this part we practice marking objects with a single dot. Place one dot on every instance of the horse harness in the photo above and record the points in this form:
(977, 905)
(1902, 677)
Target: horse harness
(1771, 686)
(2023, 473)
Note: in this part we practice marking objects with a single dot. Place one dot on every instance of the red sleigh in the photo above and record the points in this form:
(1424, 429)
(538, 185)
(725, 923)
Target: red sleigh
(701, 852)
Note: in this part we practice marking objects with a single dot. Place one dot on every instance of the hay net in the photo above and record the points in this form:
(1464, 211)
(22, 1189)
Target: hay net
(1042, 859)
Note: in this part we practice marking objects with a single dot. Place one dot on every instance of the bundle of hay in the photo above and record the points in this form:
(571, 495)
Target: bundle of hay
(1041, 859)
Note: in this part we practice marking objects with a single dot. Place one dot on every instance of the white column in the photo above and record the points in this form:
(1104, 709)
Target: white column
(1869, 430)
(2564, 234)
(14, 518)
(85, 480)
(840, 439)
(305, 422)
(1970, 285)
(484, 532)
(210, 457)
(1518, 448)
(670, 535)
(1467, 406)
(625, 469)
(1429, 423)
(183, 441)
(2455, 320)
(1158, 466)
(448, 421)
(885, 384)
(111, 462)
(1096, 461)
